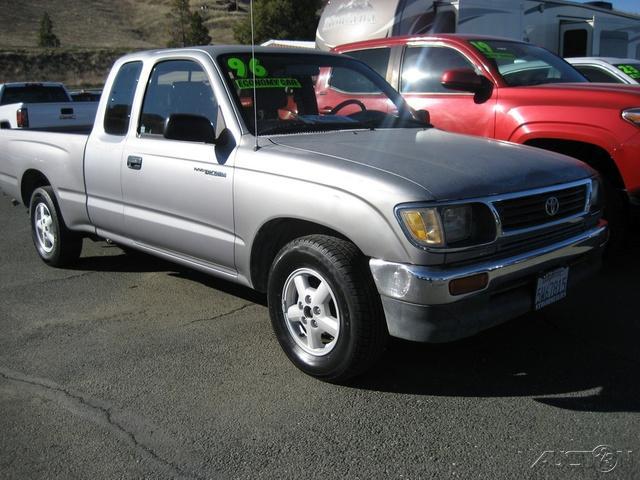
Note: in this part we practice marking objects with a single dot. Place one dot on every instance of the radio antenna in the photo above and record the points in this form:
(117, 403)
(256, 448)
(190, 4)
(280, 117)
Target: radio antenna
(252, 67)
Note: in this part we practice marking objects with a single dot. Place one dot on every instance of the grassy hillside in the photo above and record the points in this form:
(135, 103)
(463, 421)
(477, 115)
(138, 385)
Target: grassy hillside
(107, 24)
(92, 34)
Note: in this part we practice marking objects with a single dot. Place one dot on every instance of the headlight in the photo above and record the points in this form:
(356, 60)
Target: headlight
(632, 115)
(457, 223)
(449, 225)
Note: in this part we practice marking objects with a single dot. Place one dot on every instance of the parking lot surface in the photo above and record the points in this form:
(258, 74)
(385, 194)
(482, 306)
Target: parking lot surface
(130, 367)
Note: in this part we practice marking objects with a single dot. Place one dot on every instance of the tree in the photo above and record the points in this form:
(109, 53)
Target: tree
(186, 28)
(179, 18)
(198, 32)
(280, 19)
(46, 37)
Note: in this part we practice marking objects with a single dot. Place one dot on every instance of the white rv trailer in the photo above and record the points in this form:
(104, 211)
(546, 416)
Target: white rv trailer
(567, 28)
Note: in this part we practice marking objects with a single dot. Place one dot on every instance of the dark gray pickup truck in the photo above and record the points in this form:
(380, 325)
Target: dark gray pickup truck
(357, 226)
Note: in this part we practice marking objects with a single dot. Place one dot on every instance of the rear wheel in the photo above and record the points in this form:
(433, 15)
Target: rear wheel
(324, 308)
(54, 242)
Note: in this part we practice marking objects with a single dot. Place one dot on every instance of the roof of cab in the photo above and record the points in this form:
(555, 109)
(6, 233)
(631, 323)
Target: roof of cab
(216, 50)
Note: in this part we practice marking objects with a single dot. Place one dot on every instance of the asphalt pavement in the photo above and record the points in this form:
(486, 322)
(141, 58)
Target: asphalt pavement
(129, 367)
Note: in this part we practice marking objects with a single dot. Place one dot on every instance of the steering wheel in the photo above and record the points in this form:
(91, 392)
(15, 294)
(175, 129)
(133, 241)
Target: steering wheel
(351, 101)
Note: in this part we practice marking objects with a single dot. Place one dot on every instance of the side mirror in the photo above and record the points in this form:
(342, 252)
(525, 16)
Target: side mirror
(463, 79)
(189, 128)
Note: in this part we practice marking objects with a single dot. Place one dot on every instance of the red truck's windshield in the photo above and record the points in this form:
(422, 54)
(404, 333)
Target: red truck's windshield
(33, 93)
(290, 95)
(522, 64)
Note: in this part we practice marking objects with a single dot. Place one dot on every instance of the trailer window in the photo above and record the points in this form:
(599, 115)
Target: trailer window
(116, 118)
(424, 16)
(575, 43)
(423, 67)
(614, 44)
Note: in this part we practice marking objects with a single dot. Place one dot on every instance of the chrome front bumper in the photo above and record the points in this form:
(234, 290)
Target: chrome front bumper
(418, 305)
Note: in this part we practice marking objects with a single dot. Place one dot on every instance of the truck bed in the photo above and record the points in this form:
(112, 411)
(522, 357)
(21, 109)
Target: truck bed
(58, 156)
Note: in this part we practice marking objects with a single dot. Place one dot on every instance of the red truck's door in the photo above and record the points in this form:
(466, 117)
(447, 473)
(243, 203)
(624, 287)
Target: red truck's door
(419, 82)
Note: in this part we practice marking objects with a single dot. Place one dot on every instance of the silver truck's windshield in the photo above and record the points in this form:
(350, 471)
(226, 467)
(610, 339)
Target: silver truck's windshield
(303, 93)
(631, 69)
(522, 64)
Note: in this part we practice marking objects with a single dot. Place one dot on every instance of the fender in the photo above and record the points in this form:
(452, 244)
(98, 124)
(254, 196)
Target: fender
(584, 133)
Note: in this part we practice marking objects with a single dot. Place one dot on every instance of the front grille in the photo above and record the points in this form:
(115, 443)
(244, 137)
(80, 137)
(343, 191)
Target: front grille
(531, 211)
(539, 239)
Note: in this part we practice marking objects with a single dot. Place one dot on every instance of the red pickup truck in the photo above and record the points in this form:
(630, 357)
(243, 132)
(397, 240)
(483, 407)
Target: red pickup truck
(508, 90)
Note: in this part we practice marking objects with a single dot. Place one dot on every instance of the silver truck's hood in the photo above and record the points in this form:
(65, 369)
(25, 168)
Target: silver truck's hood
(449, 166)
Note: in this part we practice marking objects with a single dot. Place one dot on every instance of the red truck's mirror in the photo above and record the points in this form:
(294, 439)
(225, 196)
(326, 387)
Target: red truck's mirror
(464, 79)
(189, 128)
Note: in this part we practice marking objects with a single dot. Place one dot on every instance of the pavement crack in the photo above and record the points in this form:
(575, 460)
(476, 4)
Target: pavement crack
(101, 415)
(221, 315)
(62, 279)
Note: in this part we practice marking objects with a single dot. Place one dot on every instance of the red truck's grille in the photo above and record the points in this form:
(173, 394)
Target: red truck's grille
(542, 208)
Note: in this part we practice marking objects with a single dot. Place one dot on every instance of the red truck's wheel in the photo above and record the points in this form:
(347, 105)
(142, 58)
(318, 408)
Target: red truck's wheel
(324, 308)
(54, 242)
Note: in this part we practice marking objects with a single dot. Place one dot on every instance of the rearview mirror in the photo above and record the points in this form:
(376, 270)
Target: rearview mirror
(189, 128)
(463, 79)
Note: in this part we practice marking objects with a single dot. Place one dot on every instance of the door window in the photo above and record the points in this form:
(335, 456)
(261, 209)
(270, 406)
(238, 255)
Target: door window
(176, 86)
(423, 67)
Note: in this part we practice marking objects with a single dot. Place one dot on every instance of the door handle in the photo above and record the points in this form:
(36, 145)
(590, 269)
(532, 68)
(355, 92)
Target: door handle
(326, 110)
(134, 163)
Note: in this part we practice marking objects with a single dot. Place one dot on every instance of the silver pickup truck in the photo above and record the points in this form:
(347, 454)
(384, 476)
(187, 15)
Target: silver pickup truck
(358, 220)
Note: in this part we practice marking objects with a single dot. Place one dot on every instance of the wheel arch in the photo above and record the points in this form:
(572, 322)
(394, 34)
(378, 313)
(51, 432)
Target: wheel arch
(31, 179)
(274, 235)
(592, 154)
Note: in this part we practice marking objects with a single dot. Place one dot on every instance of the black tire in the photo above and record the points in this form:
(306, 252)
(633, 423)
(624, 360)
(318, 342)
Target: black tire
(362, 332)
(55, 243)
(616, 212)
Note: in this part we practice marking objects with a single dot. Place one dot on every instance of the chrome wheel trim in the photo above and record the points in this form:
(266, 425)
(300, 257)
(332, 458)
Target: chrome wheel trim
(311, 312)
(45, 231)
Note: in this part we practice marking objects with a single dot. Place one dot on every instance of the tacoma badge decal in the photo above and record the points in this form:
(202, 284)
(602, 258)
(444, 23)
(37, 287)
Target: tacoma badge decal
(213, 173)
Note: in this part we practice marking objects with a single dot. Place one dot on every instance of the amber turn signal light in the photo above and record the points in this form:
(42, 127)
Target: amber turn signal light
(473, 283)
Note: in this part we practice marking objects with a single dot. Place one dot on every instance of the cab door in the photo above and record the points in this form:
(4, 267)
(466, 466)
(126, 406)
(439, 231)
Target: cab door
(178, 194)
(420, 84)
(104, 153)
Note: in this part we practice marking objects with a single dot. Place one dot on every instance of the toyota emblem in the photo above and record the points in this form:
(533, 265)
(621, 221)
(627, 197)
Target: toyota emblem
(551, 206)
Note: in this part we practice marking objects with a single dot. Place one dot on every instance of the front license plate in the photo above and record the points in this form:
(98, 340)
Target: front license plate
(552, 286)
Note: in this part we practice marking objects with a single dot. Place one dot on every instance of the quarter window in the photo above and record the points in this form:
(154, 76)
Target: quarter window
(344, 80)
(176, 86)
(423, 67)
(376, 58)
(116, 117)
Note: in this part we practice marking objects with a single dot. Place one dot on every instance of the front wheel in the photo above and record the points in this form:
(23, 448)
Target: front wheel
(54, 242)
(325, 309)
